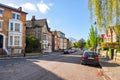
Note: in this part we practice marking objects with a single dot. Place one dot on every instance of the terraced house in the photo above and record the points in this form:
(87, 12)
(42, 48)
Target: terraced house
(12, 29)
(39, 29)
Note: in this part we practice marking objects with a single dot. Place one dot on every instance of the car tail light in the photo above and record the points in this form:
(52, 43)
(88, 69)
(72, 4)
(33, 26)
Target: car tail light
(83, 56)
(97, 57)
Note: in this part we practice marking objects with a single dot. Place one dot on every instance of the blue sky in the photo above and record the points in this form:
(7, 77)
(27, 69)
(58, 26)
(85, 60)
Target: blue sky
(69, 16)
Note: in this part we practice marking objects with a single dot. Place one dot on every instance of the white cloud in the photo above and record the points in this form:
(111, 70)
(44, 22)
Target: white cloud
(26, 6)
(29, 6)
(43, 8)
(48, 21)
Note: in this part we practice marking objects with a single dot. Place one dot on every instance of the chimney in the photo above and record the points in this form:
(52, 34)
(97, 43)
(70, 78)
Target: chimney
(33, 18)
(20, 8)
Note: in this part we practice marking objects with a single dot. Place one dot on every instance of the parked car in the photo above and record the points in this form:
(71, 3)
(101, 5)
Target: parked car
(71, 51)
(66, 51)
(90, 57)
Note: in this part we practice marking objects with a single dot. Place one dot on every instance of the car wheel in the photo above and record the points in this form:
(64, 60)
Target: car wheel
(83, 63)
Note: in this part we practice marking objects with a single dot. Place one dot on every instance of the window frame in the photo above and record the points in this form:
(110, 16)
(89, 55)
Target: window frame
(12, 26)
(12, 40)
(1, 14)
(15, 16)
(1, 24)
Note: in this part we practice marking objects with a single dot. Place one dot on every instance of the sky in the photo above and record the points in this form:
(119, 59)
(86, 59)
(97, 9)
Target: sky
(68, 16)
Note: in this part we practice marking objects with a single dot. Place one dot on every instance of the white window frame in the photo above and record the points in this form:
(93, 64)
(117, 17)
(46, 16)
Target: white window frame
(15, 15)
(14, 22)
(1, 24)
(13, 42)
(2, 12)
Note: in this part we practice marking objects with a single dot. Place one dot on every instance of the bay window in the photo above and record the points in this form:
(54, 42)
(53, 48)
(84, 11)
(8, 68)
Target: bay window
(11, 40)
(15, 40)
(0, 25)
(11, 26)
(15, 26)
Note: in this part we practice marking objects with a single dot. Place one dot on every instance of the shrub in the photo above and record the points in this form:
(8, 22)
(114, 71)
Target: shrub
(106, 45)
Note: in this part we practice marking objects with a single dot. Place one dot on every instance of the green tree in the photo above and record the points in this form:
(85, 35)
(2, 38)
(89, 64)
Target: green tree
(81, 43)
(106, 12)
(31, 43)
(93, 37)
(76, 45)
(88, 45)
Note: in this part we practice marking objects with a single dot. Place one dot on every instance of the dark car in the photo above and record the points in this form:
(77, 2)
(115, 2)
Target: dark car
(90, 57)
(66, 51)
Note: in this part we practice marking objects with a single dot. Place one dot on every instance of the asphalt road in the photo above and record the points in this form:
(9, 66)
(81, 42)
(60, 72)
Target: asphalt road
(55, 66)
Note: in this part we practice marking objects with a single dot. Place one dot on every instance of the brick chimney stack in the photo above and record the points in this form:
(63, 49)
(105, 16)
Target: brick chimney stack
(20, 8)
(33, 18)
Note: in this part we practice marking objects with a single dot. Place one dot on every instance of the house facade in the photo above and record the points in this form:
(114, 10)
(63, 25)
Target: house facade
(40, 30)
(63, 42)
(110, 35)
(12, 29)
(55, 41)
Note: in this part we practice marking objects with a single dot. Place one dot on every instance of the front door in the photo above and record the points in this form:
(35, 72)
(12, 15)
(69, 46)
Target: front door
(1, 41)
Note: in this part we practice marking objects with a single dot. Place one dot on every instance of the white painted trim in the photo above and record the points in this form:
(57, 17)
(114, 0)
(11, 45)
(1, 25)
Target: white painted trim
(15, 12)
(1, 15)
(13, 44)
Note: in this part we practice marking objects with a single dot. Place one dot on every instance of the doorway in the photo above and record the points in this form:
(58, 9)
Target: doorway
(1, 41)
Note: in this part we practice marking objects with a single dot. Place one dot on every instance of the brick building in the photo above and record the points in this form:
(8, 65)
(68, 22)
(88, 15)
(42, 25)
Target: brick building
(12, 29)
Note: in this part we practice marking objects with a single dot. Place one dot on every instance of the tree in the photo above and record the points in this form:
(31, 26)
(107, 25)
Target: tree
(31, 43)
(72, 40)
(106, 12)
(88, 45)
(94, 38)
(76, 45)
(81, 43)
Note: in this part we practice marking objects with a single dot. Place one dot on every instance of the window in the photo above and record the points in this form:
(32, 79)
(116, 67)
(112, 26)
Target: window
(1, 12)
(17, 40)
(11, 26)
(0, 25)
(14, 40)
(11, 40)
(16, 16)
(17, 27)
(13, 16)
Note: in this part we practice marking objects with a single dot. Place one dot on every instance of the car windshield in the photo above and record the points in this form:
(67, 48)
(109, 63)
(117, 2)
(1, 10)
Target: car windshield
(90, 54)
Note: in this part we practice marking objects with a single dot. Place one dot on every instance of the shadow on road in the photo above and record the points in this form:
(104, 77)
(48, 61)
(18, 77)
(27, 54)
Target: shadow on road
(26, 70)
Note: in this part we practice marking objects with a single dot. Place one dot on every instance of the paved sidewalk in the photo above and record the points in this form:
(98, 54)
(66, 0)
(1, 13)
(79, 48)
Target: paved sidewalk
(51, 53)
(110, 68)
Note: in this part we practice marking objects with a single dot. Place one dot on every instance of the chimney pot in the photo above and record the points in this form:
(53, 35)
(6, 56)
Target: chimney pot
(20, 8)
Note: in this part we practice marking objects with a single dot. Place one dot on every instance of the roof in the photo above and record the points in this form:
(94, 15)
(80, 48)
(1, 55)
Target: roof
(39, 22)
(12, 8)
